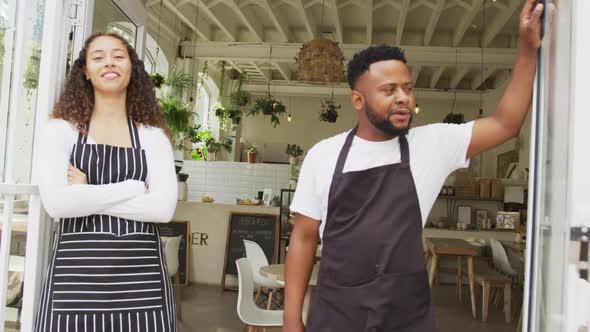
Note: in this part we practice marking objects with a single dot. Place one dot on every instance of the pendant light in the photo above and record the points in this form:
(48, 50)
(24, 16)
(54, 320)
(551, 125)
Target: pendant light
(289, 117)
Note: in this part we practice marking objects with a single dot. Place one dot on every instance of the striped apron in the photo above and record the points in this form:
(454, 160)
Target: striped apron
(107, 273)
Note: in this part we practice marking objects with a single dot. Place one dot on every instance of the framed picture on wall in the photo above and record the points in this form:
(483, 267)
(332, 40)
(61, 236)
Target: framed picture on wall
(480, 218)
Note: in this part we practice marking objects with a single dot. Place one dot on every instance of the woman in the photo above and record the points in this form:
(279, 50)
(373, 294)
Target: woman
(109, 176)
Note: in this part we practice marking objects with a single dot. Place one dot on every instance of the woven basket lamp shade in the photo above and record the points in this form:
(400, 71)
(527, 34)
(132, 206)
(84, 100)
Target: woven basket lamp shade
(320, 60)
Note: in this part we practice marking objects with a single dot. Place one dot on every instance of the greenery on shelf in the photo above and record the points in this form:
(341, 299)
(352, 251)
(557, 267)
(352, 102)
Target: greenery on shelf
(269, 106)
(206, 144)
(294, 150)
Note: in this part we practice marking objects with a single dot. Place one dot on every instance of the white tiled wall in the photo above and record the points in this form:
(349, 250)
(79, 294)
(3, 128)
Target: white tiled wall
(226, 181)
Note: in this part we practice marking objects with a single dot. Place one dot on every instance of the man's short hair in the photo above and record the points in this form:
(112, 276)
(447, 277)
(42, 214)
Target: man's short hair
(362, 60)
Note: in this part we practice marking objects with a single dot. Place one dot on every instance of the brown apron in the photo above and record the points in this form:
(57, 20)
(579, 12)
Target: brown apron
(372, 274)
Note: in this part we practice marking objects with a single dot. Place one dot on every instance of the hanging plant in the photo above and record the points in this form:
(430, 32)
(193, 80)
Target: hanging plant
(269, 106)
(178, 119)
(31, 79)
(239, 97)
(457, 118)
(157, 79)
(227, 115)
(178, 82)
(234, 74)
(329, 110)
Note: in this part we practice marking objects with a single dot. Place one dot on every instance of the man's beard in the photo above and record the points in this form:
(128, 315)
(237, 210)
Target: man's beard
(384, 124)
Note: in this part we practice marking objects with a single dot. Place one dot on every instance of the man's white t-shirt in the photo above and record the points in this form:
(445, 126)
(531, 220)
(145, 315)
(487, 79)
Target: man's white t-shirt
(435, 151)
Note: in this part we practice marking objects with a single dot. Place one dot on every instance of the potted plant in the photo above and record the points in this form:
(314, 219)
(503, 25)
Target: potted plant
(228, 115)
(213, 146)
(252, 153)
(294, 151)
(269, 106)
(329, 111)
(157, 79)
(457, 118)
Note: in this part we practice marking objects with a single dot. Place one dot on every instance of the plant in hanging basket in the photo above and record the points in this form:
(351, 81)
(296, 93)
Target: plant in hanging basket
(157, 79)
(234, 74)
(329, 112)
(226, 115)
(457, 118)
(177, 117)
(240, 98)
(178, 82)
(269, 106)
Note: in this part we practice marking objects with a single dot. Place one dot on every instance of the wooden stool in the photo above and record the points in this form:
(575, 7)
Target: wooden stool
(489, 279)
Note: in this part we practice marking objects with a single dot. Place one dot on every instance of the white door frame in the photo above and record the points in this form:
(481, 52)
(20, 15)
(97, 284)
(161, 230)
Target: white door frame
(133, 9)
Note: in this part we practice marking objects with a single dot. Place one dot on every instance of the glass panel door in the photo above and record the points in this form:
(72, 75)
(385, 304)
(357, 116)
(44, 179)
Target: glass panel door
(548, 223)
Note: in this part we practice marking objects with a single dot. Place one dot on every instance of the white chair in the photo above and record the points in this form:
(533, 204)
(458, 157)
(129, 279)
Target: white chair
(171, 248)
(257, 259)
(253, 316)
(500, 258)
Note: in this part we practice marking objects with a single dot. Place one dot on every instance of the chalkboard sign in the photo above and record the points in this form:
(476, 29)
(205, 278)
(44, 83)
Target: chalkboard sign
(260, 228)
(176, 229)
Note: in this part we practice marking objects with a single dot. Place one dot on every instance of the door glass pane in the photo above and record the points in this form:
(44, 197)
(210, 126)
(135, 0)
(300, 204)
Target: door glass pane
(108, 17)
(552, 169)
(7, 30)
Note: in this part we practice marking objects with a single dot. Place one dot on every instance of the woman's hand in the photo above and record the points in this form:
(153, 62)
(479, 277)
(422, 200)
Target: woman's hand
(76, 176)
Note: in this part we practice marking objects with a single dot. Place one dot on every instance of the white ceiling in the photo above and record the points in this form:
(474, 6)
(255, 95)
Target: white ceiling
(442, 38)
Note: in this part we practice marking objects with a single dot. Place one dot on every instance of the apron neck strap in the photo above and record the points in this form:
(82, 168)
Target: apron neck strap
(403, 144)
(134, 134)
(83, 139)
(344, 150)
(405, 151)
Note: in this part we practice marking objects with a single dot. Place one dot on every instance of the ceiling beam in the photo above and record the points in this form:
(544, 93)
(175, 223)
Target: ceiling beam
(156, 23)
(436, 76)
(310, 25)
(266, 73)
(418, 3)
(284, 70)
(461, 72)
(434, 56)
(277, 19)
(433, 22)
(202, 28)
(150, 3)
(401, 21)
(213, 18)
(333, 9)
(499, 21)
(478, 80)
(369, 22)
(466, 22)
(181, 3)
(307, 90)
(248, 19)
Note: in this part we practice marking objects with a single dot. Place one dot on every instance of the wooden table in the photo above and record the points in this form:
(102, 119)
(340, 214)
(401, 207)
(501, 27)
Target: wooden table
(277, 272)
(454, 247)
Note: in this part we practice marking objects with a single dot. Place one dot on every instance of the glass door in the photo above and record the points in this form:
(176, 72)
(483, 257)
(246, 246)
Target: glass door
(553, 183)
(124, 17)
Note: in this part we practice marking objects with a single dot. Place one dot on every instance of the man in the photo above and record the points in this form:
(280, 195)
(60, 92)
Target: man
(367, 193)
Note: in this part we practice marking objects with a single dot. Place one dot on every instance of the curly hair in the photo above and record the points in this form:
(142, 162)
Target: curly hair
(362, 60)
(76, 102)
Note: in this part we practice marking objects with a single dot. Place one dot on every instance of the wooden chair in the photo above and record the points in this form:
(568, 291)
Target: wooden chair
(491, 280)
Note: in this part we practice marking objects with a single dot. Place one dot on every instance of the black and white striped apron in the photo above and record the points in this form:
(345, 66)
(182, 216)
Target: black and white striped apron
(107, 273)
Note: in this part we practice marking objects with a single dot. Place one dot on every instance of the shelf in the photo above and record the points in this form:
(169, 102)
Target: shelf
(459, 198)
